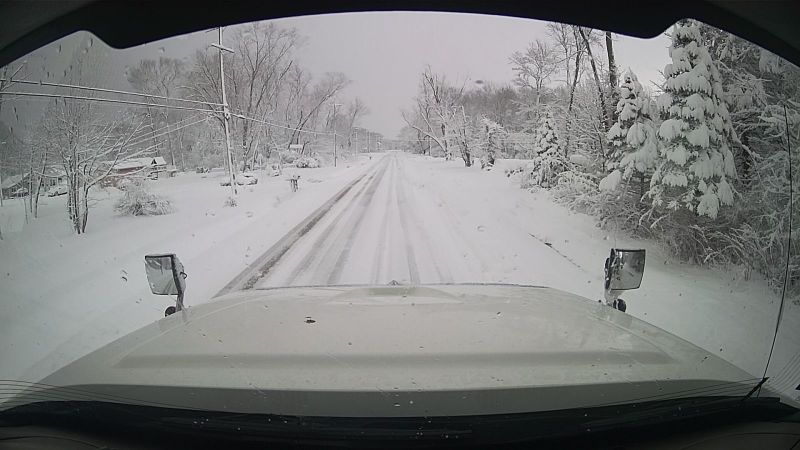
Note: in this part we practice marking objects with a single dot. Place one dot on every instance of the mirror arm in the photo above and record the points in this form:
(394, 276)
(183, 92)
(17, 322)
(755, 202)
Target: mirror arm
(179, 302)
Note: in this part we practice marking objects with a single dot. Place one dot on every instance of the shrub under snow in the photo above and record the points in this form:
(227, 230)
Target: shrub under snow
(306, 162)
(137, 200)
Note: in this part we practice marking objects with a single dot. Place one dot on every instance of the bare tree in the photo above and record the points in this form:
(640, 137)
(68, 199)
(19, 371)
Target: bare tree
(588, 41)
(437, 105)
(87, 142)
(563, 37)
(534, 68)
(306, 102)
(263, 57)
(6, 82)
(162, 77)
(355, 110)
(579, 49)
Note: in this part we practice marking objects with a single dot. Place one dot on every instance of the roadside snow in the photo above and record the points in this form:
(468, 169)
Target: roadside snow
(718, 310)
(65, 295)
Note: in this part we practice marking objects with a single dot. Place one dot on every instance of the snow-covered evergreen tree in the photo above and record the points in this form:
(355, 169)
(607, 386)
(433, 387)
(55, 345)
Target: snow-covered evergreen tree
(491, 140)
(548, 160)
(696, 162)
(632, 139)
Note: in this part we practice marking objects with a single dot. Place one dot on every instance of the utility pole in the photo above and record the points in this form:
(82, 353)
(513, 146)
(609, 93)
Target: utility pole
(1, 175)
(333, 122)
(368, 150)
(226, 114)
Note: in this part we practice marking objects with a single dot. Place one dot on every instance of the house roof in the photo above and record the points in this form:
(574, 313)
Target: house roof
(53, 171)
(139, 163)
(9, 182)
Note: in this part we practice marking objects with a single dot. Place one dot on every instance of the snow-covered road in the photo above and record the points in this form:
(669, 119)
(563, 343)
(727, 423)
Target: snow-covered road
(396, 224)
(417, 220)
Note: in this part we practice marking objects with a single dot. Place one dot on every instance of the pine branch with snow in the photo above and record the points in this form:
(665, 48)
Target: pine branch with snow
(632, 139)
(549, 160)
(695, 166)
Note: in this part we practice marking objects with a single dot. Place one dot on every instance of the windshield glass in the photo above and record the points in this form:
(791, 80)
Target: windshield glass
(373, 149)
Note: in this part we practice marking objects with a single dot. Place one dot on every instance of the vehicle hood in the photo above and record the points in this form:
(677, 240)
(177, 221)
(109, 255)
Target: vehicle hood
(395, 351)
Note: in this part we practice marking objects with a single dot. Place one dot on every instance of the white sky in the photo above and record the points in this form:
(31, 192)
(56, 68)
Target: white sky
(384, 53)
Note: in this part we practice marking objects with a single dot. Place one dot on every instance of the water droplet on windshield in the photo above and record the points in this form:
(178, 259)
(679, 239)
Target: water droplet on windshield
(397, 405)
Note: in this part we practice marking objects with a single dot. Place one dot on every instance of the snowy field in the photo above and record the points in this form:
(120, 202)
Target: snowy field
(411, 219)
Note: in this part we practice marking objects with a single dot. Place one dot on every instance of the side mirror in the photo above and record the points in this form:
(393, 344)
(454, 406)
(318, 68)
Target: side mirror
(624, 269)
(166, 277)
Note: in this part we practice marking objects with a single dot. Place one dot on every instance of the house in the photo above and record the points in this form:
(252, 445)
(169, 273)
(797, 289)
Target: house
(53, 176)
(151, 167)
(13, 183)
(144, 166)
(18, 185)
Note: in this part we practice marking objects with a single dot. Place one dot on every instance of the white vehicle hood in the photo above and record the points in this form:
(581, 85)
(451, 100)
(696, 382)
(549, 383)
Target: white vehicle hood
(396, 351)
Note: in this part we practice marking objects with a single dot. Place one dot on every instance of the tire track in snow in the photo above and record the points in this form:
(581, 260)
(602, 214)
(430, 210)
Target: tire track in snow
(261, 266)
(443, 274)
(466, 243)
(413, 269)
(329, 230)
(382, 232)
(354, 225)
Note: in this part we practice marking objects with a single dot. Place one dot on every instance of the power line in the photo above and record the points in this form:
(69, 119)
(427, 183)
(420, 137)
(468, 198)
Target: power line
(141, 104)
(147, 138)
(114, 91)
(152, 130)
(106, 100)
(272, 124)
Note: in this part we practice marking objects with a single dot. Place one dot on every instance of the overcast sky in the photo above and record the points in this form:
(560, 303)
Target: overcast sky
(384, 53)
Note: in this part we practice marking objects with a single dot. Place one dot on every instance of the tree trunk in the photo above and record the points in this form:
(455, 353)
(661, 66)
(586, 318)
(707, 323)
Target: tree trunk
(30, 183)
(613, 79)
(444, 141)
(84, 213)
(245, 147)
(36, 193)
(605, 118)
(153, 131)
(572, 97)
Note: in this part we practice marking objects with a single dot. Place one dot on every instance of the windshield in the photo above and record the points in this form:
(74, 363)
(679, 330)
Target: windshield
(372, 149)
